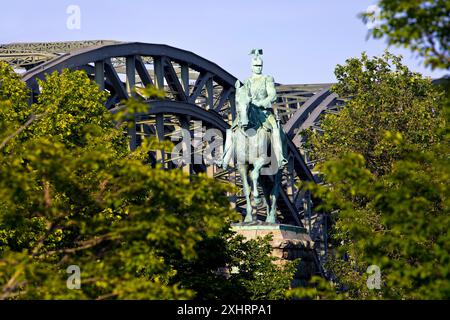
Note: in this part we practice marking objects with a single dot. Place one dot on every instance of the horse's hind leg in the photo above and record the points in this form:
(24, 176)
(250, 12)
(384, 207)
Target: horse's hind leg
(243, 169)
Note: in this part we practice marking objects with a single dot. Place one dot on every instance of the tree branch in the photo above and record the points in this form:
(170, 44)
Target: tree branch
(30, 120)
(83, 245)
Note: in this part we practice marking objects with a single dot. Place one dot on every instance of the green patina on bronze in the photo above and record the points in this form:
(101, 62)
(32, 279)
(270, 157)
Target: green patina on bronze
(256, 139)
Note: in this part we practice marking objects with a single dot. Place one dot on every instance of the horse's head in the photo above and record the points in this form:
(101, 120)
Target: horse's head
(242, 104)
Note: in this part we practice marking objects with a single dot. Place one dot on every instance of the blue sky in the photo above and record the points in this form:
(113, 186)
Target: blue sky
(303, 40)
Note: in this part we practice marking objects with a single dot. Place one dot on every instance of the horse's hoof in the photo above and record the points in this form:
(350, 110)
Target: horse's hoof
(270, 219)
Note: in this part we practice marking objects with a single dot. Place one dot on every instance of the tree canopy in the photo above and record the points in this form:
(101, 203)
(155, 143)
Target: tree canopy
(382, 95)
(420, 25)
(384, 159)
(72, 194)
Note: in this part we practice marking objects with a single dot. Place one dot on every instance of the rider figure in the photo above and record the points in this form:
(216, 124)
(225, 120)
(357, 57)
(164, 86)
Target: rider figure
(261, 89)
(254, 101)
(261, 93)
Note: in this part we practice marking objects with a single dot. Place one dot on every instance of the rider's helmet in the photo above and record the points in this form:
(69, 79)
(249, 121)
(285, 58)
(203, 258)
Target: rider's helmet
(257, 59)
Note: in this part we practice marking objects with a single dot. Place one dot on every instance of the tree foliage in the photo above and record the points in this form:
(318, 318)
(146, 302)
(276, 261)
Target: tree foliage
(384, 95)
(421, 25)
(72, 193)
(385, 163)
(398, 222)
(251, 273)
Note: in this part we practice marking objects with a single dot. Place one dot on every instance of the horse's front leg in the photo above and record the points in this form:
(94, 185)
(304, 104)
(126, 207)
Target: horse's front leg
(271, 217)
(257, 165)
(243, 169)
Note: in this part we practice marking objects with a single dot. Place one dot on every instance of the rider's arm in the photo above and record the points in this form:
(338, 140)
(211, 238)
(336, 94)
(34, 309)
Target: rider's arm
(271, 92)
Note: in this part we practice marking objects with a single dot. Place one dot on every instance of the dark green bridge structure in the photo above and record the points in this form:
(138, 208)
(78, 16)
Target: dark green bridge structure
(196, 90)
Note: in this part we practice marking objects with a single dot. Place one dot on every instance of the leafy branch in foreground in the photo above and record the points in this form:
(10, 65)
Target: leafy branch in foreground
(71, 193)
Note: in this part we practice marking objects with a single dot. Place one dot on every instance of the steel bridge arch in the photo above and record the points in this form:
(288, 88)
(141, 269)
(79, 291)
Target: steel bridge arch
(135, 56)
(197, 89)
(180, 108)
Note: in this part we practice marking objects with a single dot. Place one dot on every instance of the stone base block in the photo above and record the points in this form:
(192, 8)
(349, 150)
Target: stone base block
(288, 243)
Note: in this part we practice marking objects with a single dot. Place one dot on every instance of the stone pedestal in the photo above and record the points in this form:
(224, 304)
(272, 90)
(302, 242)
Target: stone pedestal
(288, 243)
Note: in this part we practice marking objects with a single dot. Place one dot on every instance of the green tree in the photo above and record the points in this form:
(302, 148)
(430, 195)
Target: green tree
(401, 226)
(421, 25)
(383, 95)
(71, 193)
(385, 164)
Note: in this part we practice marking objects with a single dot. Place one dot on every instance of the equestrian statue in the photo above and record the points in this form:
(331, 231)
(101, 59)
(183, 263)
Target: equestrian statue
(256, 141)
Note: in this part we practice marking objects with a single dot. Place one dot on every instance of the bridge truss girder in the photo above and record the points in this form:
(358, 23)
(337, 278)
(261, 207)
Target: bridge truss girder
(196, 90)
